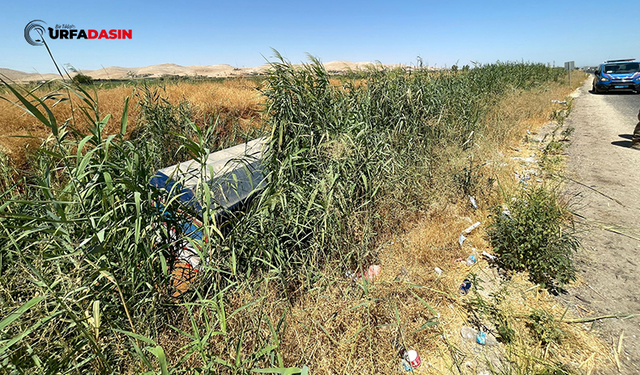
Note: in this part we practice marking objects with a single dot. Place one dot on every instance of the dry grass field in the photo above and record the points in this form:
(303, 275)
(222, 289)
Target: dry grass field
(234, 100)
(276, 293)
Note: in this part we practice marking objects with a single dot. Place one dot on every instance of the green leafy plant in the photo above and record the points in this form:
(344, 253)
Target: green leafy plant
(544, 327)
(532, 236)
(566, 133)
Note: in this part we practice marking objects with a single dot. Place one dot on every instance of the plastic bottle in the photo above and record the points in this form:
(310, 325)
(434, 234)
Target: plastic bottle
(468, 333)
(471, 260)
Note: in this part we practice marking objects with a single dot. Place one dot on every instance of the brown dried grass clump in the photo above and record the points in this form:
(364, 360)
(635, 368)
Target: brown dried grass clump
(232, 100)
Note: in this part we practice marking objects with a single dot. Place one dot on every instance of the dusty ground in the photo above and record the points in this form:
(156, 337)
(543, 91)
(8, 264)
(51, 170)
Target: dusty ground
(606, 179)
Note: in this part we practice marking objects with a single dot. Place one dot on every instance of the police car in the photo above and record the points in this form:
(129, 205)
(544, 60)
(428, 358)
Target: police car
(617, 75)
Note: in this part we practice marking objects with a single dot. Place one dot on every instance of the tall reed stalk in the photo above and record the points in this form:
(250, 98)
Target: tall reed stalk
(87, 262)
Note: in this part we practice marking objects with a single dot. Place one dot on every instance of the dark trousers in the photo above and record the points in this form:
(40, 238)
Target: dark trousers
(636, 132)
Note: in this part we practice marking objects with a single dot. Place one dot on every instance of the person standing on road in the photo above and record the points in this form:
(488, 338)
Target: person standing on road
(635, 142)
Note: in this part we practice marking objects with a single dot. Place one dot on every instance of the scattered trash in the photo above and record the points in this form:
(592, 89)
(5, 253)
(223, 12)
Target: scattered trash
(372, 273)
(538, 180)
(471, 260)
(528, 132)
(465, 286)
(398, 347)
(473, 202)
(404, 366)
(506, 212)
(490, 339)
(524, 160)
(471, 228)
(438, 271)
(481, 338)
(523, 177)
(488, 256)
(559, 101)
(461, 239)
(413, 358)
(473, 335)
(468, 333)
(467, 231)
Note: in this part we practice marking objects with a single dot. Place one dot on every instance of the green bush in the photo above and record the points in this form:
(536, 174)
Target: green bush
(544, 327)
(82, 79)
(531, 236)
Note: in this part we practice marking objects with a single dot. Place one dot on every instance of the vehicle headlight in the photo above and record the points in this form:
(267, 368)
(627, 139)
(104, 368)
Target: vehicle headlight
(604, 79)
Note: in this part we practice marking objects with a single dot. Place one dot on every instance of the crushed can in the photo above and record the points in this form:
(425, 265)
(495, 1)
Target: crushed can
(413, 358)
(465, 286)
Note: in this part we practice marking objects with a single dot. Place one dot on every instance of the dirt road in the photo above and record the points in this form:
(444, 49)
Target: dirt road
(607, 175)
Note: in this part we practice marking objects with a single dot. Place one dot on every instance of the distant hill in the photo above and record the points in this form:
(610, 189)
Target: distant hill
(160, 70)
(16, 75)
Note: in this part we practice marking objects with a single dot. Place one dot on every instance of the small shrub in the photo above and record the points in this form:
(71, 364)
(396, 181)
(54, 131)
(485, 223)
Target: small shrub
(532, 237)
(553, 148)
(544, 327)
(82, 79)
(566, 133)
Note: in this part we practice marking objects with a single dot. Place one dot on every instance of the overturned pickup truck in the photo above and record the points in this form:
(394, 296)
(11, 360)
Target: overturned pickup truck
(233, 175)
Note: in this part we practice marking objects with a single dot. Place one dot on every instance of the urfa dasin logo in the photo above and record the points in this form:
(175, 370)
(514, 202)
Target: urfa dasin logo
(34, 33)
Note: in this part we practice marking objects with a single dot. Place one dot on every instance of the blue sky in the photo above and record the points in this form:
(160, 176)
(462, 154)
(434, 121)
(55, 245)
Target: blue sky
(240, 33)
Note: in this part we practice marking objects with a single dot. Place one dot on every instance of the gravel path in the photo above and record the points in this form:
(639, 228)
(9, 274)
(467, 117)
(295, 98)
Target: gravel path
(606, 174)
